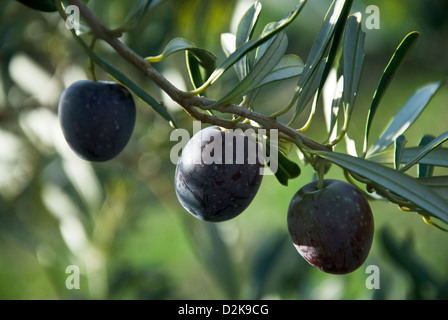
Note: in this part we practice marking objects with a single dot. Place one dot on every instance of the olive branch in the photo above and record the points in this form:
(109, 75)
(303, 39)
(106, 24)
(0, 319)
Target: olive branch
(338, 48)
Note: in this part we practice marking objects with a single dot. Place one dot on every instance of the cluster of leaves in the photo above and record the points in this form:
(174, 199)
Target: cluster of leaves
(335, 64)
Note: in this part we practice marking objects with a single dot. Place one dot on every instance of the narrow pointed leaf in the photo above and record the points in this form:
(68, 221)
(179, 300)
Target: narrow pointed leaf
(332, 98)
(395, 181)
(287, 169)
(437, 157)
(335, 50)
(261, 50)
(134, 16)
(259, 71)
(336, 14)
(180, 44)
(404, 118)
(394, 64)
(252, 44)
(200, 62)
(247, 24)
(399, 146)
(291, 168)
(353, 57)
(123, 79)
(228, 43)
(438, 184)
(244, 33)
(350, 146)
(198, 74)
(290, 66)
(425, 150)
(425, 170)
(177, 44)
(309, 91)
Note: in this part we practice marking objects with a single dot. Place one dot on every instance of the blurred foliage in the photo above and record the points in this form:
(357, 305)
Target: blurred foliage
(120, 222)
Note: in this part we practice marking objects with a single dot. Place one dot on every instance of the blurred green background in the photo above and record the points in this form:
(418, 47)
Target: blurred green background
(120, 222)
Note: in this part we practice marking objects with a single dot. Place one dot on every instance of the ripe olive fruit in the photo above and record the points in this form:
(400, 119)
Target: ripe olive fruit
(97, 118)
(332, 227)
(215, 183)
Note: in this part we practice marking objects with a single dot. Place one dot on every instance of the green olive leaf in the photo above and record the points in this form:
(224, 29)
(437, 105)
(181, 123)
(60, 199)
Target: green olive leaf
(244, 33)
(247, 24)
(406, 116)
(287, 169)
(179, 44)
(437, 157)
(309, 90)
(428, 147)
(332, 98)
(250, 45)
(315, 67)
(353, 60)
(198, 73)
(137, 13)
(345, 89)
(263, 66)
(400, 143)
(228, 43)
(425, 170)
(289, 66)
(397, 182)
(438, 184)
(200, 62)
(290, 167)
(391, 69)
